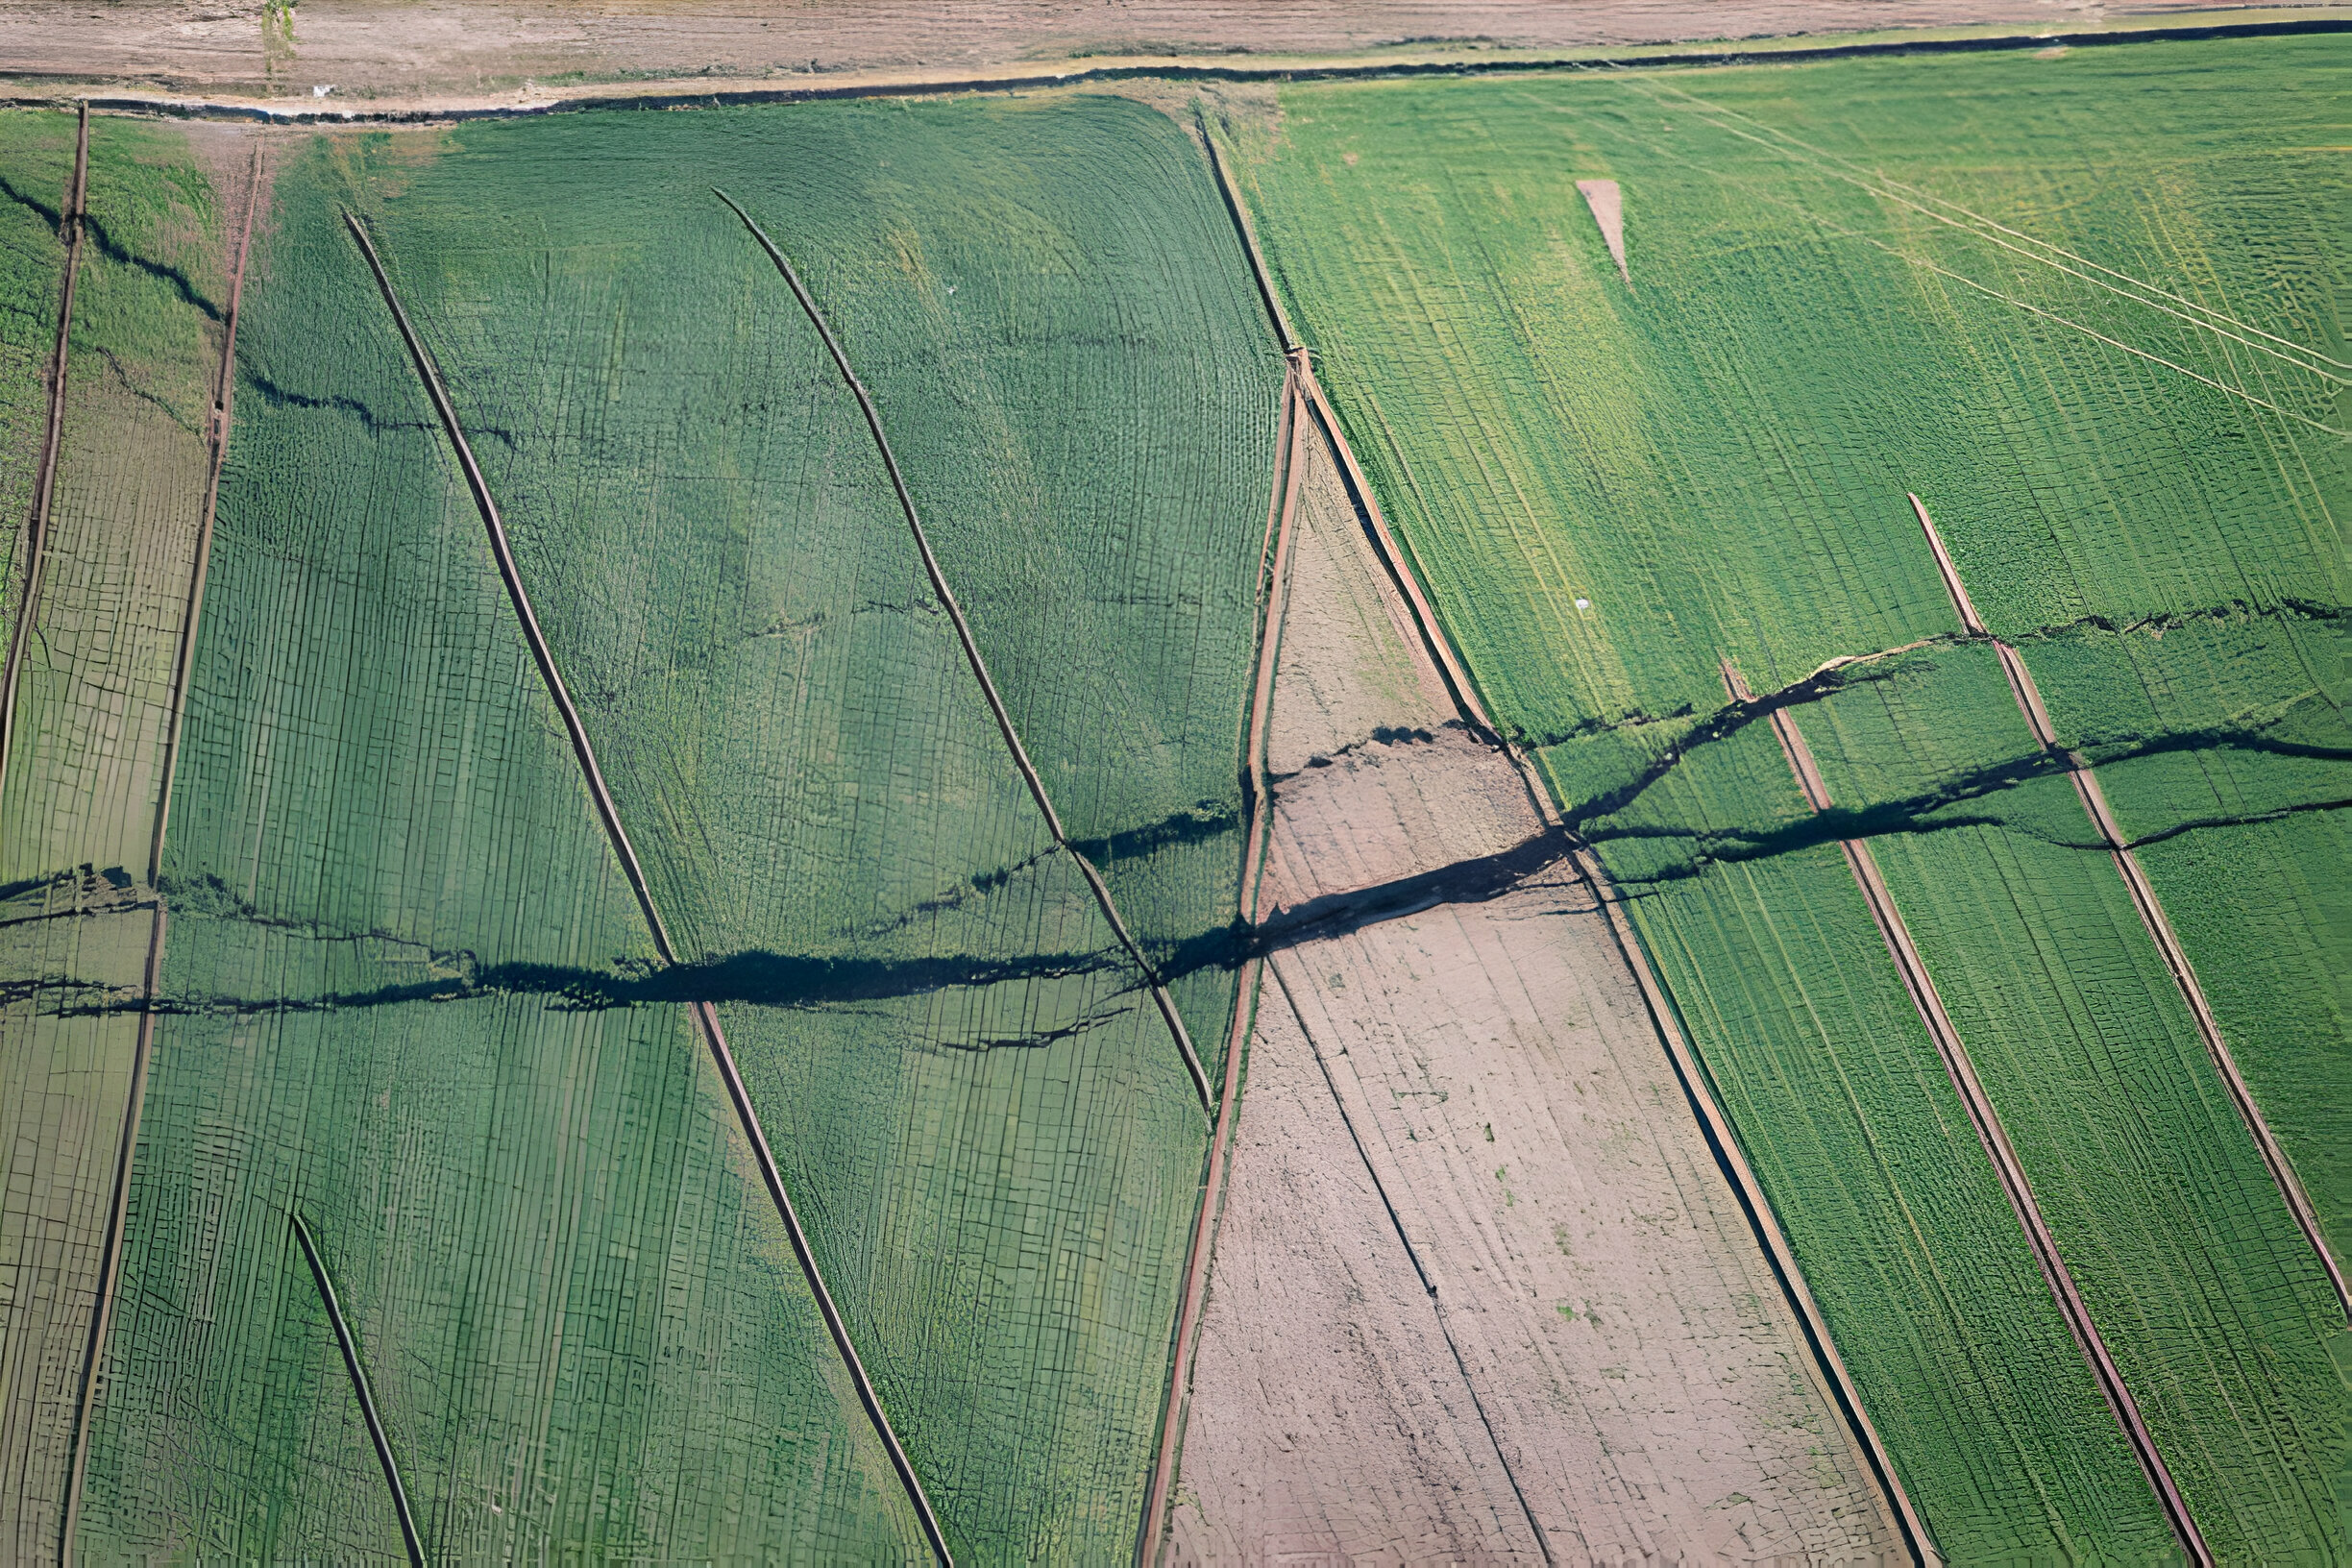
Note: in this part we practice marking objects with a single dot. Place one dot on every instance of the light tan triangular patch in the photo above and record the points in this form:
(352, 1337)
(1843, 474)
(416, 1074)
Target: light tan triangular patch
(1608, 206)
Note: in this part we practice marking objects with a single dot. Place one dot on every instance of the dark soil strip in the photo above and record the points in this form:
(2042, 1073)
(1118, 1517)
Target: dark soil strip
(705, 1015)
(1276, 555)
(2151, 913)
(1437, 1306)
(979, 667)
(1690, 56)
(110, 1262)
(359, 1386)
(1989, 1132)
(53, 436)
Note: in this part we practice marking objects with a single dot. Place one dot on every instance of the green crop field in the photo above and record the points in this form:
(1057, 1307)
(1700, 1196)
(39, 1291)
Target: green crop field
(388, 1015)
(408, 994)
(2079, 301)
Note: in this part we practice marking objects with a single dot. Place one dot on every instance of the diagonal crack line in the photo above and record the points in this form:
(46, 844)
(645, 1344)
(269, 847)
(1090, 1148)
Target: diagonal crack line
(706, 1016)
(979, 666)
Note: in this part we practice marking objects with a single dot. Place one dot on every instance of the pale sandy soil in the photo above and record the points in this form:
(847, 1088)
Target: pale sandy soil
(444, 51)
(1604, 1339)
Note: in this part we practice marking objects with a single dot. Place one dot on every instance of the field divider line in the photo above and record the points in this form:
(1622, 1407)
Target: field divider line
(1249, 240)
(704, 1014)
(1714, 1124)
(118, 1213)
(359, 1386)
(1275, 554)
(979, 667)
(53, 438)
(2150, 908)
(1429, 1283)
(1978, 1104)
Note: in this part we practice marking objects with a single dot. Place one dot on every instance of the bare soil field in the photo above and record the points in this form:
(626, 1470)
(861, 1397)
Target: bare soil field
(1478, 1276)
(440, 50)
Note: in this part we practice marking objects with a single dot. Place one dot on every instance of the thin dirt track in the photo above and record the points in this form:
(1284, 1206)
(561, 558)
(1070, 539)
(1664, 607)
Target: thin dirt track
(2151, 911)
(1989, 1130)
(1194, 1289)
(102, 1312)
(1481, 1292)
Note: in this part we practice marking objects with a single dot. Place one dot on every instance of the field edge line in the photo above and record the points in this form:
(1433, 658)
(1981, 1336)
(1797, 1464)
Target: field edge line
(1912, 970)
(1160, 998)
(1274, 556)
(359, 1386)
(705, 1015)
(2152, 917)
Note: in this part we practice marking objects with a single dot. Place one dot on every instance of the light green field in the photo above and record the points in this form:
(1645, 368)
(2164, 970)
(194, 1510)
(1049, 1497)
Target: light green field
(1836, 297)
(37, 153)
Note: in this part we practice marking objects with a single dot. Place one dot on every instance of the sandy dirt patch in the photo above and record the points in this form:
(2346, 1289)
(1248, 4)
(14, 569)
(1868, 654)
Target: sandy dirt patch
(377, 49)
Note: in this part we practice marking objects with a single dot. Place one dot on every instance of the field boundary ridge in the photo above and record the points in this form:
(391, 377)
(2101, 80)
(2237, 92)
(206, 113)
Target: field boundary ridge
(2085, 779)
(705, 1015)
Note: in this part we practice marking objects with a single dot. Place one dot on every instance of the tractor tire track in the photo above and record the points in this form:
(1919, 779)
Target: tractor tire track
(1259, 801)
(1989, 1130)
(2152, 912)
(979, 668)
(53, 437)
(704, 1014)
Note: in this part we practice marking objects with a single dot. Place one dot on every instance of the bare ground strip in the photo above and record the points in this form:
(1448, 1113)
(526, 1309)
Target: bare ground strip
(1538, 1326)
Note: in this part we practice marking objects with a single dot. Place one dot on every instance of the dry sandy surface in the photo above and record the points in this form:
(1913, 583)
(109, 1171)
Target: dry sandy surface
(508, 51)
(1470, 1093)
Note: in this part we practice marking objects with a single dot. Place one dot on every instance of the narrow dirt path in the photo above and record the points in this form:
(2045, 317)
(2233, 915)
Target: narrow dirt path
(1257, 799)
(110, 1262)
(352, 1364)
(704, 1014)
(2152, 912)
(53, 437)
(1989, 1130)
(979, 668)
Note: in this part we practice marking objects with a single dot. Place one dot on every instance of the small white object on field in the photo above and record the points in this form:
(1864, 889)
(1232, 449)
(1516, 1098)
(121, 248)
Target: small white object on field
(1583, 603)
(1608, 206)
(322, 91)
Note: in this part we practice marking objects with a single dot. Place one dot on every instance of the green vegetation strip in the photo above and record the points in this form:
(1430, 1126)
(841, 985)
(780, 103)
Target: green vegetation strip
(35, 538)
(2151, 910)
(1989, 1130)
(704, 1014)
